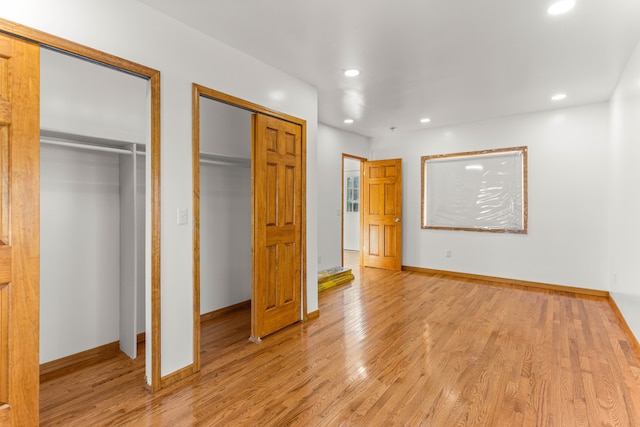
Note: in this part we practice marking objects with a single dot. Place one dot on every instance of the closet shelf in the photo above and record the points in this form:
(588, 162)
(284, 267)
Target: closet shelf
(48, 136)
(218, 159)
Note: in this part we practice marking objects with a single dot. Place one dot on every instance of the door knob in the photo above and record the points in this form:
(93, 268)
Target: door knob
(397, 219)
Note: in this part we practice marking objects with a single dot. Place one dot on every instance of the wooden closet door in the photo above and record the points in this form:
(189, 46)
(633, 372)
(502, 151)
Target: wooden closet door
(277, 225)
(20, 231)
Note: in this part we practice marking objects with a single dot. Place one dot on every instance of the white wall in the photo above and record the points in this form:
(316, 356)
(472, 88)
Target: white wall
(133, 31)
(624, 193)
(225, 208)
(83, 98)
(567, 239)
(332, 143)
(80, 251)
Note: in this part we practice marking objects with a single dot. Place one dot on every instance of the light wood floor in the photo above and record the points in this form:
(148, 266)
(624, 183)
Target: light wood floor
(390, 348)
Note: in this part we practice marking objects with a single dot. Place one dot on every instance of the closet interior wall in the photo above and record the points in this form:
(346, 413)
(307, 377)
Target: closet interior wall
(94, 130)
(225, 205)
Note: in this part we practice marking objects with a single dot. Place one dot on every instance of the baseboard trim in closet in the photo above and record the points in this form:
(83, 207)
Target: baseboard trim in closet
(313, 315)
(59, 367)
(176, 376)
(221, 312)
(500, 280)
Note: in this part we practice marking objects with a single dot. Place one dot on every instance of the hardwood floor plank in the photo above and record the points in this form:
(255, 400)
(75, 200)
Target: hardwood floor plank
(390, 348)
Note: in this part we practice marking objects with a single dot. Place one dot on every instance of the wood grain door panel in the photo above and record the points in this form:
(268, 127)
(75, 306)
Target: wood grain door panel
(19, 230)
(382, 214)
(277, 231)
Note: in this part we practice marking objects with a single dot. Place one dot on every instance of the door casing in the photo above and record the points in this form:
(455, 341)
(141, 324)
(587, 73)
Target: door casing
(202, 91)
(84, 52)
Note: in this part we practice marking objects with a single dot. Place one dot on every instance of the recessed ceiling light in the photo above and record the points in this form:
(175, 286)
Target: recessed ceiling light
(559, 97)
(425, 120)
(348, 121)
(352, 72)
(560, 7)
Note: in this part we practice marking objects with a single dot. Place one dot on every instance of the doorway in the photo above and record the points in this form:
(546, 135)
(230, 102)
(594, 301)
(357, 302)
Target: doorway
(378, 198)
(281, 146)
(152, 243)
(92, 198)
(19, 362)
(351, 210)
(225, 208)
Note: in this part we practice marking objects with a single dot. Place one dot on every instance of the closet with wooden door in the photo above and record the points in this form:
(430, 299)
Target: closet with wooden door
(95, 125)
(225, 206)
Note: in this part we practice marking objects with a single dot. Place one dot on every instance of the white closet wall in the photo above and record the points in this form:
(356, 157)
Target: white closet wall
(225, 206)
(83, 198)
(80, 250)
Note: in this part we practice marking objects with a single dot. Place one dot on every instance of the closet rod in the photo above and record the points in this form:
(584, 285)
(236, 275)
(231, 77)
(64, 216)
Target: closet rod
(87, 146)
(225, 163)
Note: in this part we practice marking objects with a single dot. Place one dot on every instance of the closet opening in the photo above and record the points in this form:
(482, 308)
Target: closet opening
(225, 208)
(95, 211)
(235, 210)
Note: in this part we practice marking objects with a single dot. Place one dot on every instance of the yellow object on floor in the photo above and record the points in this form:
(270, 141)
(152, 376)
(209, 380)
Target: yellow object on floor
(333, 277)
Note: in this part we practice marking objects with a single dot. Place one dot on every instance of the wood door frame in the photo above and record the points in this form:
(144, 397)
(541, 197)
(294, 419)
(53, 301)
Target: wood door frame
(362, 160)
(75, 49)
(197, 92)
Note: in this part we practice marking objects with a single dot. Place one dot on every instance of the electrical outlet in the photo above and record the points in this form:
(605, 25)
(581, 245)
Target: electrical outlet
(448, 253)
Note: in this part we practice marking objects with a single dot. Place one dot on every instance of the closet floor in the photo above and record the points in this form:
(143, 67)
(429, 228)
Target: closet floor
(390, 348)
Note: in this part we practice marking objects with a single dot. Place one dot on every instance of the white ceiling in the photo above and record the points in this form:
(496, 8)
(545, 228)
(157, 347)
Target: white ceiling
(451, 60)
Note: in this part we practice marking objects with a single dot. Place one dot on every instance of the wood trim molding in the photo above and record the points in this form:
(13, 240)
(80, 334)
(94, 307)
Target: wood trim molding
(525, 192)
(176, 376)
(195, 178)
(57, 43)
(57, 368)
(351, 156)
(313, 315)
(248, 105)
(498, 280)
(303, 226)
(156, 324)
(632, 338)
(225, 310)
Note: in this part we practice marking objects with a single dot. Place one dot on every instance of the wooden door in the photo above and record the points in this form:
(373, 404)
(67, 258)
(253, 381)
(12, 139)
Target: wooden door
(276, 172)
(382, 214)
(19, 231)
